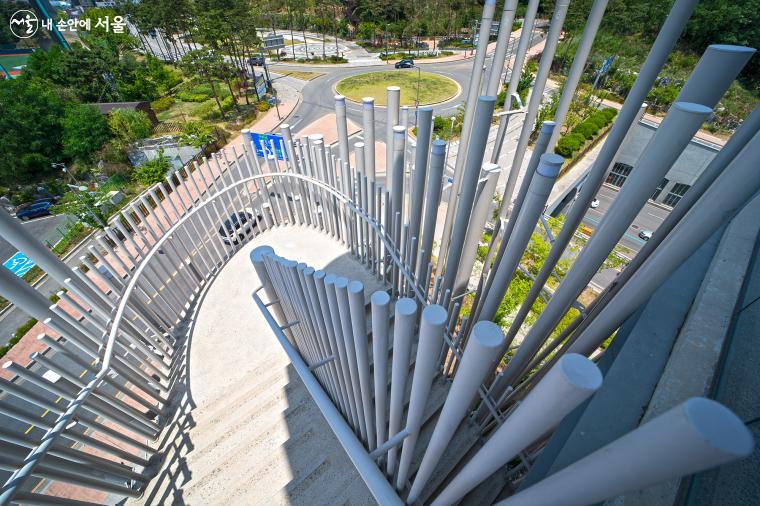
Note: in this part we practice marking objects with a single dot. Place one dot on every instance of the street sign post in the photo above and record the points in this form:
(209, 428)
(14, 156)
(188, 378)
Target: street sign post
(19, 264)
(274, 42)
(263, 145)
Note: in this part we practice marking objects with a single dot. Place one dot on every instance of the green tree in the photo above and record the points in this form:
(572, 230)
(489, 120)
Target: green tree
(89, 207)
(207, 65)
(129, 125)
(84, 131)
(30, 136)
(153, 171)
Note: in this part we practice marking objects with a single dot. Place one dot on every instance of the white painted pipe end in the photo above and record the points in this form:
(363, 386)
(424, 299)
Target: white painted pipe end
(369, 102)
(258, 254)
(439, 147)
(719, 427)
(380, 298)
(580, 372)
(547, 127)
(435, 315)
(406, 307)
(488, 334)
(355, 287)
(550, 164)
(491, 167)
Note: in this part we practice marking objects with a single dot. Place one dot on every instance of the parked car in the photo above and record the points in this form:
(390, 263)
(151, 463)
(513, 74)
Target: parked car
(34, 209)
(237, 226)
(257, 61)
(406, 63)
(594, 203)
(645, 234)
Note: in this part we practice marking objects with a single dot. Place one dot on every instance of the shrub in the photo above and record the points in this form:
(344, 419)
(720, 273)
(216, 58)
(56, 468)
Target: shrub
(152, 171)
(564, 147)
(587, 130)
(130, 125)
(4, 350)
(609, 112)
(23, 329)
(162, 104)
(262, 106)
(197, 134)
(598, 121)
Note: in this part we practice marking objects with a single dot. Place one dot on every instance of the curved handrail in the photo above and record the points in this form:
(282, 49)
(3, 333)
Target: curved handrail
(36, 455)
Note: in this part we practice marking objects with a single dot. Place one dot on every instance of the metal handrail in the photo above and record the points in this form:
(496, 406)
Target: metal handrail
(36, 455)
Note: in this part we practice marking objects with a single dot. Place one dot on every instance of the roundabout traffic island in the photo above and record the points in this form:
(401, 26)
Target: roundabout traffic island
(433, 88)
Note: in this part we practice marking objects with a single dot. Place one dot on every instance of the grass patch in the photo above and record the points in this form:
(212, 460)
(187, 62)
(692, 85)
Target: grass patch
(433, 88)
(302, 75)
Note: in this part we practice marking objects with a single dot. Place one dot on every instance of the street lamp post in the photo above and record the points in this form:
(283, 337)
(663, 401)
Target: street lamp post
(79, 189)
(417, 100)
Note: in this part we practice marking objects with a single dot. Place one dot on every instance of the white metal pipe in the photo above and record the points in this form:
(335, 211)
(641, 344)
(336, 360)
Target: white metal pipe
(522, 50)
(367, 468)
(397, 190)
(535, 200)
(403, 330)
(566, 386)
(341, 291)
(424, 132)
(534, 102)
(340, 118)
(578, 66)
(380, 301)
(666, 40)
(359, 324)
(391, 120)
(433, 197)
(479, 357)
(502, 43)
(368, 126)
(483, 201)
(694, 436)
(464, 200)
(471, 104)
(432, 325)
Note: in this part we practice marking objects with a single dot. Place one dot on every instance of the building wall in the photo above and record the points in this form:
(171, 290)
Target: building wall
(684, 172)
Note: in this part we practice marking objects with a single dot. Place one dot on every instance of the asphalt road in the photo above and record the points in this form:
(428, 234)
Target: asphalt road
(649, 218)
(46, 229)
(319, 94)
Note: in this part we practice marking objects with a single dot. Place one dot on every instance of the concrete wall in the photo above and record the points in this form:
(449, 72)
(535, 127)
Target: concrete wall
(687, 168)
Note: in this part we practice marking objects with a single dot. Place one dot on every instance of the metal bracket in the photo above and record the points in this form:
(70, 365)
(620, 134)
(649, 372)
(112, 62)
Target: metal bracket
(322, 362)
(289, 324)
(391, 443)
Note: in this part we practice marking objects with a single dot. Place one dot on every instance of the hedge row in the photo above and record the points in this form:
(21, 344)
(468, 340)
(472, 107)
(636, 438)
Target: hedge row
(584, 131)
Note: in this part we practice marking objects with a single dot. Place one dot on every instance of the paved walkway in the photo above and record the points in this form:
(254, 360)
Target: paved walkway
(250, 433)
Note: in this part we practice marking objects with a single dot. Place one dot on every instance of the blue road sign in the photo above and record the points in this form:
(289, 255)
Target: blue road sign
(264, 145)
(19, 264)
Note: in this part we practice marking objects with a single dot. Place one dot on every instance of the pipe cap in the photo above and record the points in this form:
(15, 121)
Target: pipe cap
(439, 147)
(550, 164)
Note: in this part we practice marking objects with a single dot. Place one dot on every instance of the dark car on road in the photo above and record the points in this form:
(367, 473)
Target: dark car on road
(256, 61)
(406, 63)
(237, 226)
(34, 209)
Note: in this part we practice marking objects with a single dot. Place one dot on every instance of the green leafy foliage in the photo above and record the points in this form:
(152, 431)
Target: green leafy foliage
(23, 329)
(162, 104)
(130, 125)
(85, 130)
(197, 134)
(584, 131)
(153, 171)
(30, 129)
